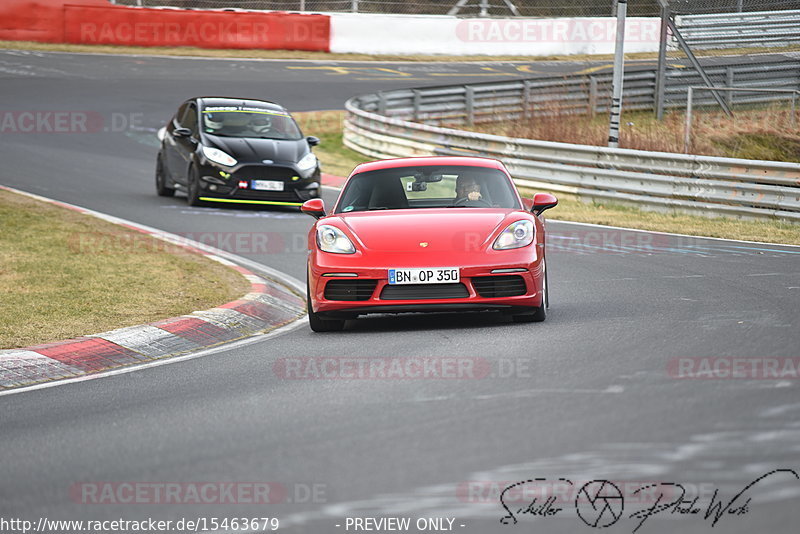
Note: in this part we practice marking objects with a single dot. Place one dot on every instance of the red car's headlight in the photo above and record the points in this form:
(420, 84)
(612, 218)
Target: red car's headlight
(516, 235)
(331, 239)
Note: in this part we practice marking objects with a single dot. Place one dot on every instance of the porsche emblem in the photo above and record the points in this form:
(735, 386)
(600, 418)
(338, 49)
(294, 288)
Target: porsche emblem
(423, 244)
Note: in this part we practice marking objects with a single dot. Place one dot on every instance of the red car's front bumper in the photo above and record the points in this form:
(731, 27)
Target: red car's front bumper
(512, 285)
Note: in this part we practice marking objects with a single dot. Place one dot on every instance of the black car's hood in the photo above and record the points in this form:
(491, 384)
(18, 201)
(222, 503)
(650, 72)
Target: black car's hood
(254, 150)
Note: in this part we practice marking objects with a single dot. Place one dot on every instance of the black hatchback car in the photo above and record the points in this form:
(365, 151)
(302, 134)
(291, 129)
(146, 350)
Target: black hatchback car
(236, 151)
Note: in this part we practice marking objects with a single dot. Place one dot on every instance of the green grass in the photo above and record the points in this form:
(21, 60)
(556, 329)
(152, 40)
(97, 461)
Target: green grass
(339, 160)
(64, 274)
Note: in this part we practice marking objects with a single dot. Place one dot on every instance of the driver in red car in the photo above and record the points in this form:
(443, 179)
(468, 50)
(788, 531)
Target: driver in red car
(467, 188)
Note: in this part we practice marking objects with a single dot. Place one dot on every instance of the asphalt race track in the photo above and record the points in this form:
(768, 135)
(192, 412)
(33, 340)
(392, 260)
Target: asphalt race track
(590, 394)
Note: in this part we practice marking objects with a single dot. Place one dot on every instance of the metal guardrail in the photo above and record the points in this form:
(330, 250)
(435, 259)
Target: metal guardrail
(590, 93)
(655, 180)
(729, 30)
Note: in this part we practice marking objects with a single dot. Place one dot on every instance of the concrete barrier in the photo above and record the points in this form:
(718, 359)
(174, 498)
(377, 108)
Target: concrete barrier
(98, 22)
(419, 34)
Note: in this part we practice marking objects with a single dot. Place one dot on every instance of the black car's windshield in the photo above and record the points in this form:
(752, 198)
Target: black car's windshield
(246, 121)
(428, 187)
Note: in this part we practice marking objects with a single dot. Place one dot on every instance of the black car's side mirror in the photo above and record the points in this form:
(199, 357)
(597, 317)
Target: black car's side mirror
(312, 141)
(181, 132)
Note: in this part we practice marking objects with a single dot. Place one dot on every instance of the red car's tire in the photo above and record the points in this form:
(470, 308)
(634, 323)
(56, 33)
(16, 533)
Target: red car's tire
(318, 324)
(540, 312)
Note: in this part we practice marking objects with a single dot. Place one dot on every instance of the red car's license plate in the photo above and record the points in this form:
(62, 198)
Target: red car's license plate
(429, 275)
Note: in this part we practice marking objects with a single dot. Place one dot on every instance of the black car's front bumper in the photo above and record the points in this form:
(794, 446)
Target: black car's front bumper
(237, 187)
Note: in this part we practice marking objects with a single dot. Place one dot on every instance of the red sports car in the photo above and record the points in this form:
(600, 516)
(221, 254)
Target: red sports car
(427, 234)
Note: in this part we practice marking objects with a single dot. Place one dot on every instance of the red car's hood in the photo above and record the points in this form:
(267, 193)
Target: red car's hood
(441, 229)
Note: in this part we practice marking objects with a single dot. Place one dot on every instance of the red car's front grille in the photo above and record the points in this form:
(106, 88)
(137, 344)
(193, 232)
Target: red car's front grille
(499, 286)
(350, 289)
(424, 292)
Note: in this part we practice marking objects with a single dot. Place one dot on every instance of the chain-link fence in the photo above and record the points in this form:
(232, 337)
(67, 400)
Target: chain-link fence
(470, 8)
(694, 7)
(473, 8)
(725, 41)
(462, 8)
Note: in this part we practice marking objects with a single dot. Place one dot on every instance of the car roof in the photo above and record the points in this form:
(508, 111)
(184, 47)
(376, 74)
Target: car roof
(469, 161)
(243, 102)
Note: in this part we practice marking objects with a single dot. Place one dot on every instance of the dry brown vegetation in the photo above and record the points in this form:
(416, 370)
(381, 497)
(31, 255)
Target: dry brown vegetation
(767, 133)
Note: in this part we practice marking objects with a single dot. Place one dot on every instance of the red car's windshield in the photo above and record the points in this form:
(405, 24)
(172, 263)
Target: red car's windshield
(428, 187)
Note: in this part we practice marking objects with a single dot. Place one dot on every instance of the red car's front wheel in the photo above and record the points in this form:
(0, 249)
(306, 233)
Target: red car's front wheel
(318, 324)
(540, 312)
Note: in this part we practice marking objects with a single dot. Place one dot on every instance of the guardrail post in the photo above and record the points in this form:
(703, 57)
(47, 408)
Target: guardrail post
(526, 99)
(687, 129)
(417, 104)
(661, 69)
(729, 83)
(592, 95)
(381, 103)
(469, 104)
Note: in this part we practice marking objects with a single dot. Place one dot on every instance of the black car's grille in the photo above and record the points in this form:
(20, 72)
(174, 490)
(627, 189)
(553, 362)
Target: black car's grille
(350, 289)
(252, 194)
(499, 286)
(424, 291)
(264, 172)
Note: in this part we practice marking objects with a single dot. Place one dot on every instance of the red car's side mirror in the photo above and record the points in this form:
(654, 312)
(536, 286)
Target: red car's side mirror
(314, 207)
(543, 201)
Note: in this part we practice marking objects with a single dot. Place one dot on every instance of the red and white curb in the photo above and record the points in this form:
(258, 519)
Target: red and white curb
(273, 302)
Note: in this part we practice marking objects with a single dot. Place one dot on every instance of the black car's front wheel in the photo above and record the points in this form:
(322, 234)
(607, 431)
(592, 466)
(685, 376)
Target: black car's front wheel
(193, 188)
(161, 179)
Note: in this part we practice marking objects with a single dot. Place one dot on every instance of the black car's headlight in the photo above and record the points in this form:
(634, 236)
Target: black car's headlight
(516, 235)
(331, 239)
(218, 156)
(307, 162)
